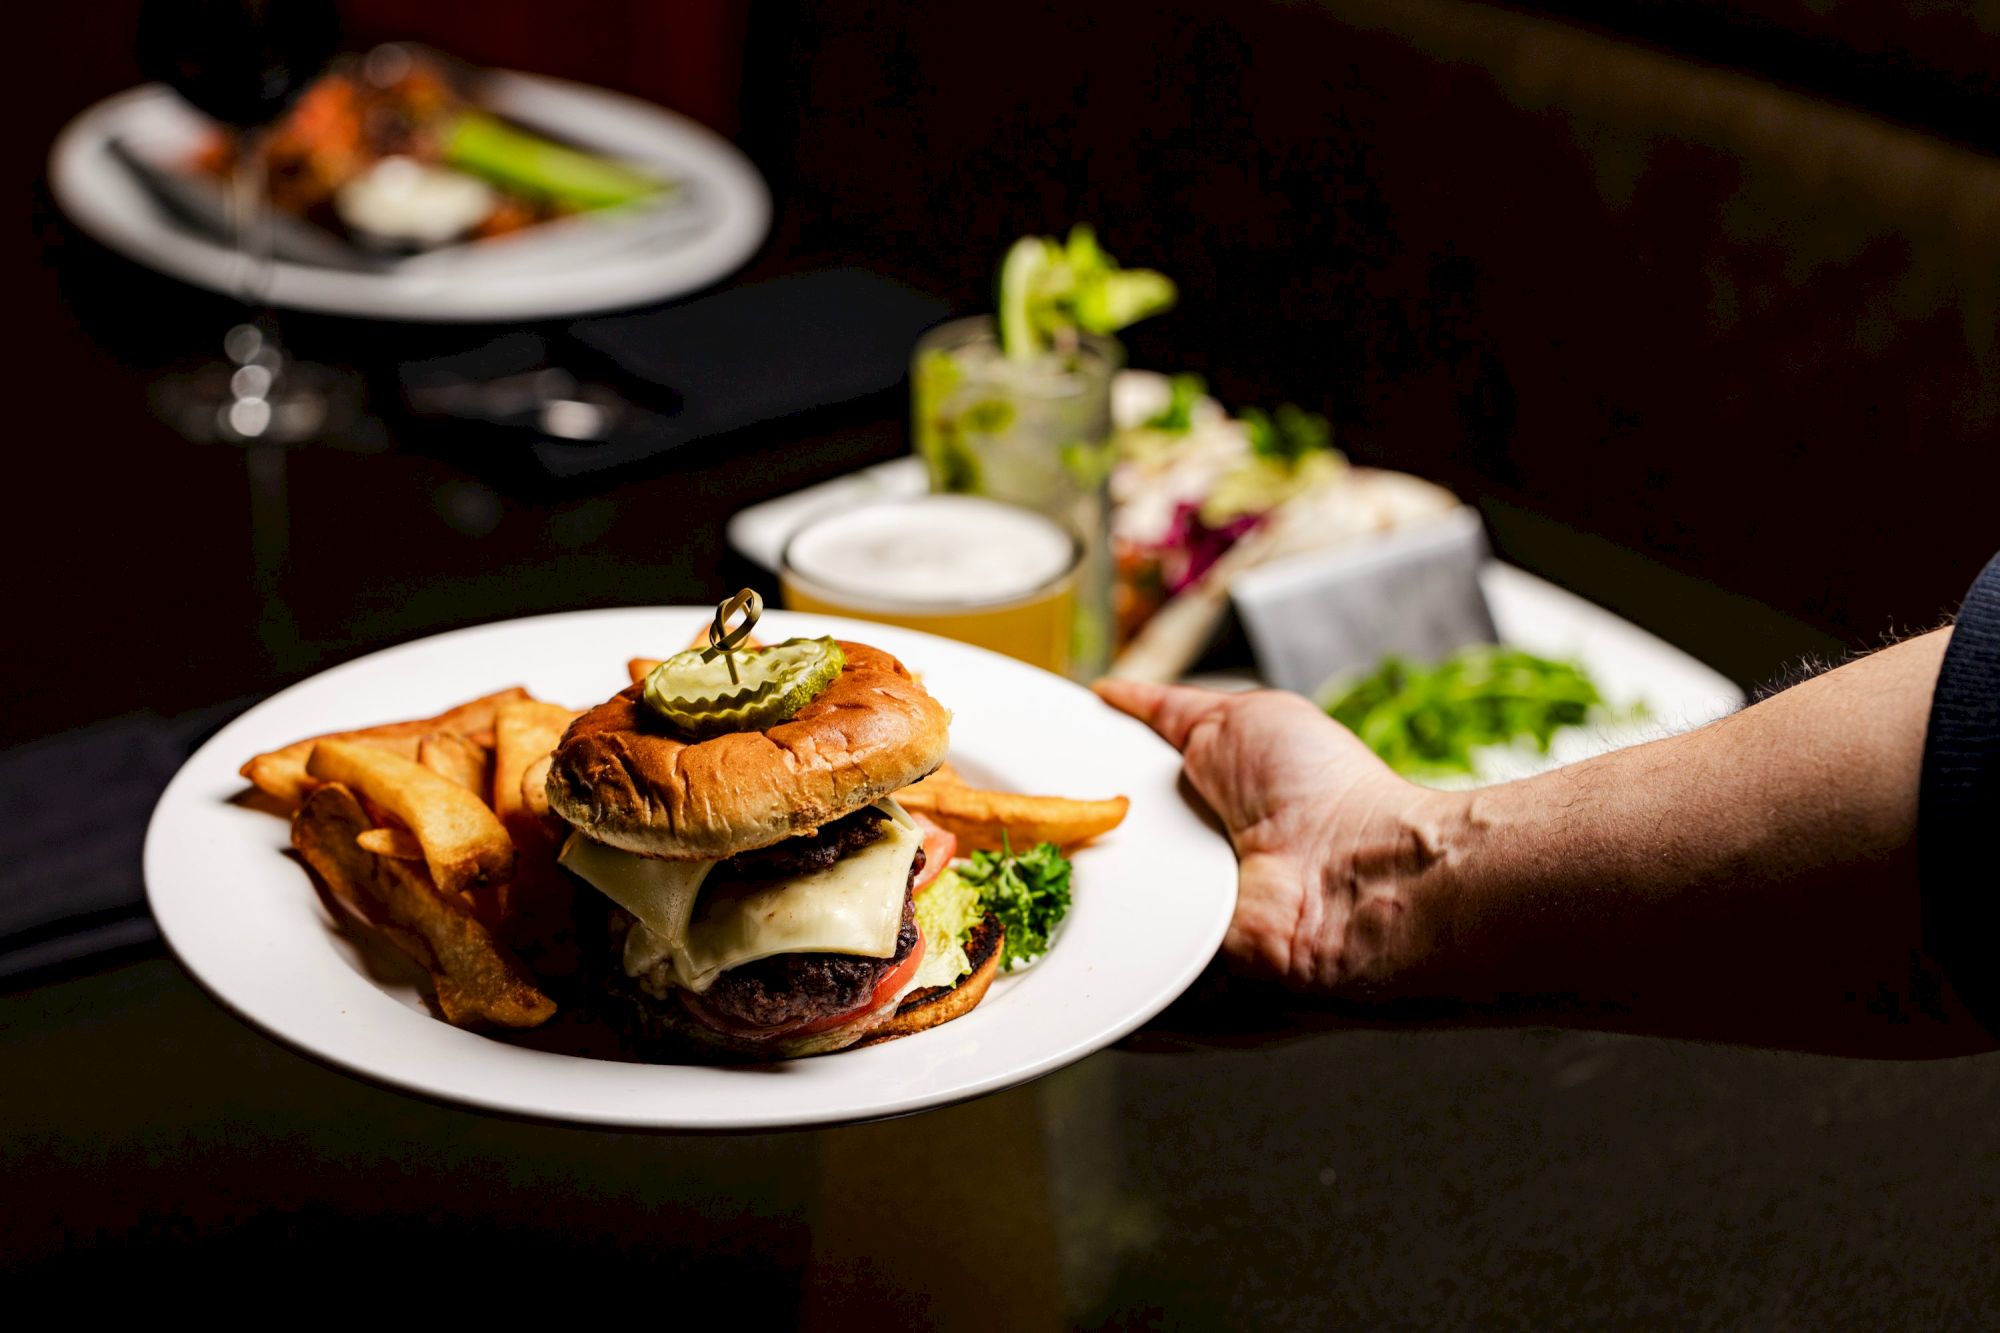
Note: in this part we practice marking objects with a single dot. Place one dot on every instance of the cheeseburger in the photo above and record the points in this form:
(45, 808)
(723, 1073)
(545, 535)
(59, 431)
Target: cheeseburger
(756, 882)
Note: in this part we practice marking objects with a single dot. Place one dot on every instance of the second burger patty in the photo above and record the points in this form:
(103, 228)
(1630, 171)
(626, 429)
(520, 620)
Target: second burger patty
(815, 851)
(799, 987)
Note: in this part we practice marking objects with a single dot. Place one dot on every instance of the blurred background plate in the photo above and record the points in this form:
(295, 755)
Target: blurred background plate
(718, 220)
(1152, 899)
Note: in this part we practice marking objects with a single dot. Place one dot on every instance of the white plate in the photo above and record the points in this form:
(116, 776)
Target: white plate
(1151, 900)
(594, 263)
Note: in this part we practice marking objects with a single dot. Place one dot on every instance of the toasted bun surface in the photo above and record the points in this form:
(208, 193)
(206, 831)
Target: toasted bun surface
(622, 777)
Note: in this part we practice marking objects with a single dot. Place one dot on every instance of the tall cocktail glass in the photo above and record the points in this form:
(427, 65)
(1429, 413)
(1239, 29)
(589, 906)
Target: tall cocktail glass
(1032, 433)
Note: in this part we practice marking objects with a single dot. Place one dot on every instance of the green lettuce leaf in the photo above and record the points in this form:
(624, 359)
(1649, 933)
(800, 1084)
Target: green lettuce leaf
(946, 913)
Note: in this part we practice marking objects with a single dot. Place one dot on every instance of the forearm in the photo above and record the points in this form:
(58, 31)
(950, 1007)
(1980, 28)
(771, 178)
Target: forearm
(1755, 879)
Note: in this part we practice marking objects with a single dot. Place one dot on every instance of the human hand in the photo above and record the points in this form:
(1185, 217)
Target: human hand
(1329, 842)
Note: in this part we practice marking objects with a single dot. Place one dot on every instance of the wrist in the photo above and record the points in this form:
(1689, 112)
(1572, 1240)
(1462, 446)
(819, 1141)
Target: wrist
(1447, 962)
(1496, 901)
(1390, 887)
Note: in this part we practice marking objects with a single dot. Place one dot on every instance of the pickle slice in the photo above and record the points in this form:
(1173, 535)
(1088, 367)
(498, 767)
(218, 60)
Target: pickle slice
(693, 693)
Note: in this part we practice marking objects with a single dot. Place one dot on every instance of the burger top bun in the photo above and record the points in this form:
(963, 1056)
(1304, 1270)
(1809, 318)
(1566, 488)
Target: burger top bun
(624, 778)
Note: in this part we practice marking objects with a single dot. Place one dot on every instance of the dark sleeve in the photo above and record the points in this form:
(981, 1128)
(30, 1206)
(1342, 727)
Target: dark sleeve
(1958, 806)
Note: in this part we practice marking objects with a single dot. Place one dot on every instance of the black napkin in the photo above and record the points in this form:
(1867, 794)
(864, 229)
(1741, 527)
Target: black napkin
(703, 368)
(70, 881)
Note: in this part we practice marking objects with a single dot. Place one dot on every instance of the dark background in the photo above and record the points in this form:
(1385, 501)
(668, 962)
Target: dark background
(1699, 302)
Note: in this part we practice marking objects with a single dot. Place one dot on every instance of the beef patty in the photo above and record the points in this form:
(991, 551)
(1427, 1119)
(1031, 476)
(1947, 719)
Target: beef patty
(799, 987)
(815, 851)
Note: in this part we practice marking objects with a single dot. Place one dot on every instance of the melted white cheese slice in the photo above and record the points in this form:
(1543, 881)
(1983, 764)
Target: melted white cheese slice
(659, 894)
(854, 906)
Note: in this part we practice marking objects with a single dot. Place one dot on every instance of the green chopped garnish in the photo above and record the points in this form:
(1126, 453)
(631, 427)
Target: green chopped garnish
(954, 467)
(1114, 300)
(941, 434)
(1427, 721)
(1088, 464)
(1287, 436)
(988, 416)
(1028, 892)
(1260, 484)
(1177, 417)
(1050, 289)
(938, 375)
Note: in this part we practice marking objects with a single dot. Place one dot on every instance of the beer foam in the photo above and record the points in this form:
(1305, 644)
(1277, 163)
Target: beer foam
(933, 550)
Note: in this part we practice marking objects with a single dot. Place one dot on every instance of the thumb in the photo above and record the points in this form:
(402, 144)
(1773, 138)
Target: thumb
(1170, 710)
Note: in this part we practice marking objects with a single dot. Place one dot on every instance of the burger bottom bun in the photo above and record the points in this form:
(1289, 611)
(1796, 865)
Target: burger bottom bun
(940, 1004)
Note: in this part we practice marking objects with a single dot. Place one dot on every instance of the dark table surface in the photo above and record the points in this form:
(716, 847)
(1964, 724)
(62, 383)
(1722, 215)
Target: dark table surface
(150, 1141)
(1506, 1179)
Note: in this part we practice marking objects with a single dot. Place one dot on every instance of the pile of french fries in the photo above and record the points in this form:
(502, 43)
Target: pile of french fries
(437, 834)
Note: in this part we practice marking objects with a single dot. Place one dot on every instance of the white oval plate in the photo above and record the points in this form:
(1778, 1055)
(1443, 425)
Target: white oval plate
(559, 269)
(1151, 903)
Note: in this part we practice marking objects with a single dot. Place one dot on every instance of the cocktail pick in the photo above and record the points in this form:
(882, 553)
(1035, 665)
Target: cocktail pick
(722, 639)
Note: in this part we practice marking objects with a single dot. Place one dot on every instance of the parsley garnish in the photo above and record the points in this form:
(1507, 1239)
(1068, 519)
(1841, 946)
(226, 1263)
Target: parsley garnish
(1028, 892)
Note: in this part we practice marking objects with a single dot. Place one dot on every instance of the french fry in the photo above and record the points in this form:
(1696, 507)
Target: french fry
(478, 982)
(535, 787)
(536, 906)
(393, 843)
(982, 819)
(396, 843)
(459, 759)
(465, 845)
(524, 731)
(281, 773)
(329, 838)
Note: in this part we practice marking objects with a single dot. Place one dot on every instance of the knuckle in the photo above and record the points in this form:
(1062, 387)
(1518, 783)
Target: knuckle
(1201, 737)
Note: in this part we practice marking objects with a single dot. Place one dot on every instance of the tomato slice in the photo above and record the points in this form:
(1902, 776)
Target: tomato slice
(885, 990)
(940, 845)
(892, 981)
